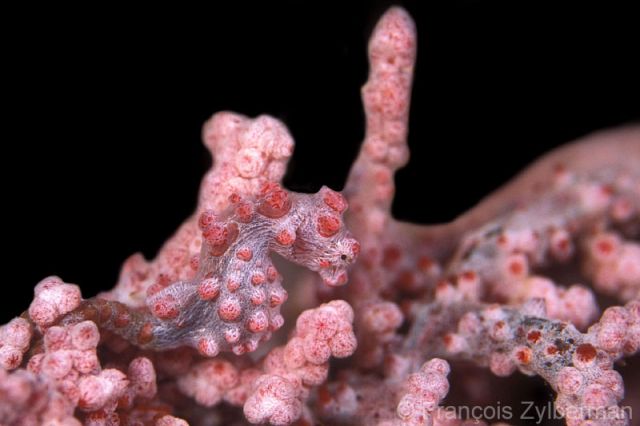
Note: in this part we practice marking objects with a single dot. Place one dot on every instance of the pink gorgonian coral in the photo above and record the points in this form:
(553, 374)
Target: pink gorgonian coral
(542, 277)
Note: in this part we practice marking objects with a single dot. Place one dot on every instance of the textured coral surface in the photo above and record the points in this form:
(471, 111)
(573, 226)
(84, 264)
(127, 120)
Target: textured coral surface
(542, 278)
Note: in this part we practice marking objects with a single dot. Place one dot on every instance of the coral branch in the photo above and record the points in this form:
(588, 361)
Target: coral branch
(274, 390)
(369, 188)
(578, 366)
(386, 97)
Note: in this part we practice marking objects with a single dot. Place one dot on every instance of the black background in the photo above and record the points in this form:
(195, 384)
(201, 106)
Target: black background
(103, 111)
